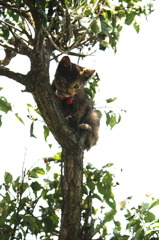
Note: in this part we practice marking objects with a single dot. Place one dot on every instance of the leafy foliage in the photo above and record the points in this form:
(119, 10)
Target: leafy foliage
(78, 23)
(30, 206)
(142, 222)
(22, 210)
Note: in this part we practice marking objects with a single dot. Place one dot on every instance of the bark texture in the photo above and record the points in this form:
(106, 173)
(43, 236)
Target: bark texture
(72, 193)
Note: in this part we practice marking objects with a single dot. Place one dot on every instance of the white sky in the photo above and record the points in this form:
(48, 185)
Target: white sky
(132, 76)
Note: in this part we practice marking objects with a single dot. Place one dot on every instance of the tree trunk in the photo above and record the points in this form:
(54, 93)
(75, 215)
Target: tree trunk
(72, 158)
(72, 179)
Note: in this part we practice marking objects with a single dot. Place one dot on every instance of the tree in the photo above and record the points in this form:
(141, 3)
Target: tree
(42, 31)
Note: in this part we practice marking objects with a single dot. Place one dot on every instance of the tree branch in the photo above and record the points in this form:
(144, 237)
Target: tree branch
(93, 233)
(26, 24)
(20, 12)
(53, 43)
(9, 26)
(18, 77)
(13, 9)
(23, 31)
(17, 45)
(7, 46)
(9, 55)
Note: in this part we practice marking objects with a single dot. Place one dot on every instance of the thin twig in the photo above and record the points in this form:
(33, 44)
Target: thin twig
(8, 46)
(54, 44)
(8, 25)
(93, 233)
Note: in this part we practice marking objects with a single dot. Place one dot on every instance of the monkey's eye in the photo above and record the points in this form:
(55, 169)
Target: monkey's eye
(76, 86)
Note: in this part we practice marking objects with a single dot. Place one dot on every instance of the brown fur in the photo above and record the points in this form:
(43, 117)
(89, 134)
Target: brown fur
(76, 106)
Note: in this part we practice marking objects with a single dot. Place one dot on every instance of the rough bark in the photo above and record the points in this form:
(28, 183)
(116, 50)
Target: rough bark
(72, 193)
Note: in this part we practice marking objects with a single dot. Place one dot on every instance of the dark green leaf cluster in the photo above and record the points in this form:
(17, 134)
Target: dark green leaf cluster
(70, 24)
(141, 222)
(98, 189)
(30, 207)
(92, 86)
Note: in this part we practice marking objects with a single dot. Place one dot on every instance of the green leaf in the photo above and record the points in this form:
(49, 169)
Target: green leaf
(95, 26)
(129, 18)
(3, 216)
(49, 224)
(111, 119)
(19, 186)
(97, 197)
(110, 201)
(101, 188)
(139, 234)
(110, 100)
(109, 216)
(136, 27)
(46, 132)
(13, 15)
(89, 92)
(105, 27)
(84, 190)
(32, 130)
(5, 106)
(144, 207)
(91, 185)
(153, 204)
(88, 12)
(8, 178)
(29, 220)
(117, 225)
(121, 13)
(38, 170)
(57, 156)
(149, 217)
(4, 33)
(107, 165)
(36, 186)
(19, 118)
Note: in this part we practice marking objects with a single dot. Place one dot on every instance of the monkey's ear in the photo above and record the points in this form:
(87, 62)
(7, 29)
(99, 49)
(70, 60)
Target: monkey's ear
(65, 61)
(87, 73)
